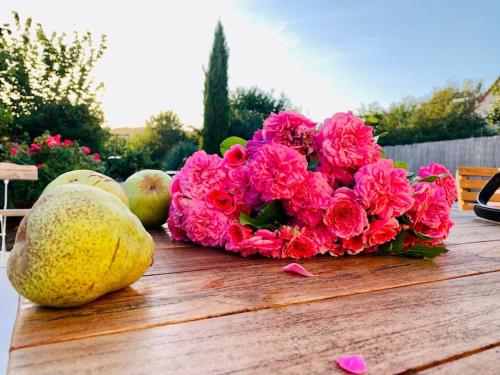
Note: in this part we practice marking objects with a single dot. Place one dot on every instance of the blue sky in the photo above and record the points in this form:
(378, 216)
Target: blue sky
(389, 49)
(327, 56)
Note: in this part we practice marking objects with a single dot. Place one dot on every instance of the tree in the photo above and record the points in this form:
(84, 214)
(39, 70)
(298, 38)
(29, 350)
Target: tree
(250, 107)
(162, 132)
(493, 116)
(46, 83)
(447, 114)
(216, 102)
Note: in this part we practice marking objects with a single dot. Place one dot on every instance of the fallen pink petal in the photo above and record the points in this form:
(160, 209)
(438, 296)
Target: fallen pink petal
(354, 364)
(297, 268)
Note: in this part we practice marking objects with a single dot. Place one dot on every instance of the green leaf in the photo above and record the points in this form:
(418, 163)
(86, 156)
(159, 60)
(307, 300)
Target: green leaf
(381, 135)
(371, 120)
(422, 251)
(431, 178)
(394, 246)
(404, 219)
(382, 154)
(400, 164)
(270, 213)
(269, 216)
(422, 236)
(247, 220)
(228, 142)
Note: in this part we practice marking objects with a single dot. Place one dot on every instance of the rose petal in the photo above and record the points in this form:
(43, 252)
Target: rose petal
(297, 268)
(354, 364)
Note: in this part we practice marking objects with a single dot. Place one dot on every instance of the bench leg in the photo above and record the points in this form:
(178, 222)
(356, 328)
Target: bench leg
(3, 224)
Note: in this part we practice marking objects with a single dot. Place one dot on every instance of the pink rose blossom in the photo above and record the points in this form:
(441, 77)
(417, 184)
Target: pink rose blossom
(430, 212)
(39, 165)
(86, 150)
(221, 200)
(353, 245)
(34, 148)
(345, 217)
(201, 174)
(204, 225)
(384, 190)
(236, 156)
(447, 183)
(263, 241)
(96, 157)
(54, 141)
(310, 200)
(381, 231)
(324, 241)
(346, 141)
(296, 244)
(174, 223)
(13, 151)
(68, 142)
(337, 176)
(276, 171)
(290, 129)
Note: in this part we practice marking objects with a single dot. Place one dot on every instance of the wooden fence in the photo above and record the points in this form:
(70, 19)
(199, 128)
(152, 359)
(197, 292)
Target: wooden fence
(478, 152)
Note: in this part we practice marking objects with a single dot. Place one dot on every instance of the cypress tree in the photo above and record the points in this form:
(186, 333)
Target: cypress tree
(216, 101)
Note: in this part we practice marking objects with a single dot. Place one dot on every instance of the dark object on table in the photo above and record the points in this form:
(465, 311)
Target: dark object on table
(482, 209)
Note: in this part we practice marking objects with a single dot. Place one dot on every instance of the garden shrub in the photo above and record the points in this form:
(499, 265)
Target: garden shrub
(52, 156)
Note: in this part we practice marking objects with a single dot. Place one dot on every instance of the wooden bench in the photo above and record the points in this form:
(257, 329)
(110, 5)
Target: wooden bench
(9, 172)
(470, 180)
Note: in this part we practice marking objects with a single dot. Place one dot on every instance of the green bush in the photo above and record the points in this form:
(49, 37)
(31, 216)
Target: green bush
(177, 155)
(52, 158)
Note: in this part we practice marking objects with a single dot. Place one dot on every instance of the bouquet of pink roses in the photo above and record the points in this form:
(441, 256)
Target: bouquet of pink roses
(294, 191)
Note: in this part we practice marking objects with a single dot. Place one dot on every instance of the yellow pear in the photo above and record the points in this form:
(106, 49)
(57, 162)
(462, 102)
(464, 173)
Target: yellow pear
(91, 178)
(77, 244)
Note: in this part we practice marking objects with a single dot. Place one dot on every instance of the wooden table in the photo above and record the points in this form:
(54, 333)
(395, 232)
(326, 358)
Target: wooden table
(205, 311)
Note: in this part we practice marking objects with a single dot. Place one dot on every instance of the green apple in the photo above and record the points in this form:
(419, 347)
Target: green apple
(149, 196)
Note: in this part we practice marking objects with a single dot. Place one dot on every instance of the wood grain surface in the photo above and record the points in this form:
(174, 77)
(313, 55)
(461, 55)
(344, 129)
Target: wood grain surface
(395, 330)
(196, 302)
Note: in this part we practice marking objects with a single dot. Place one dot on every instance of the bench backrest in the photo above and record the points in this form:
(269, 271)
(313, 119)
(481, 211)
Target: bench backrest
(470, 180)
(10, 171)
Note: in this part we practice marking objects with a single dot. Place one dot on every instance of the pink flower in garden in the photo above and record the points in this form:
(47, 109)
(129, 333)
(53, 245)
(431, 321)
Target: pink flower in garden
(86, 150)
(97, 157)
(381, 231)
(290, 129)
(263, 241)
(54, 140)
(204, 225)
(68, 142)
(384, 190)
(39, 165)
(34, 148)
(346, 141)
(345, 216)
(13, 151)
(276, 171)
(236, 156)
(221, 200)
(201, 174)
(447, 183)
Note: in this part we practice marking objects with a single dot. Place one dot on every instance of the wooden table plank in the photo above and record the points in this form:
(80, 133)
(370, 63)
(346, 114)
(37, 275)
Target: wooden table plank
(395, 330)
(486, 362)
(177, 297)
(198, 258)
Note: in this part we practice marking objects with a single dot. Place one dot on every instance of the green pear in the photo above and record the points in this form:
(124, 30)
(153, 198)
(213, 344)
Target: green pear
(149, 196)
(91, 178)
(76, 244)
